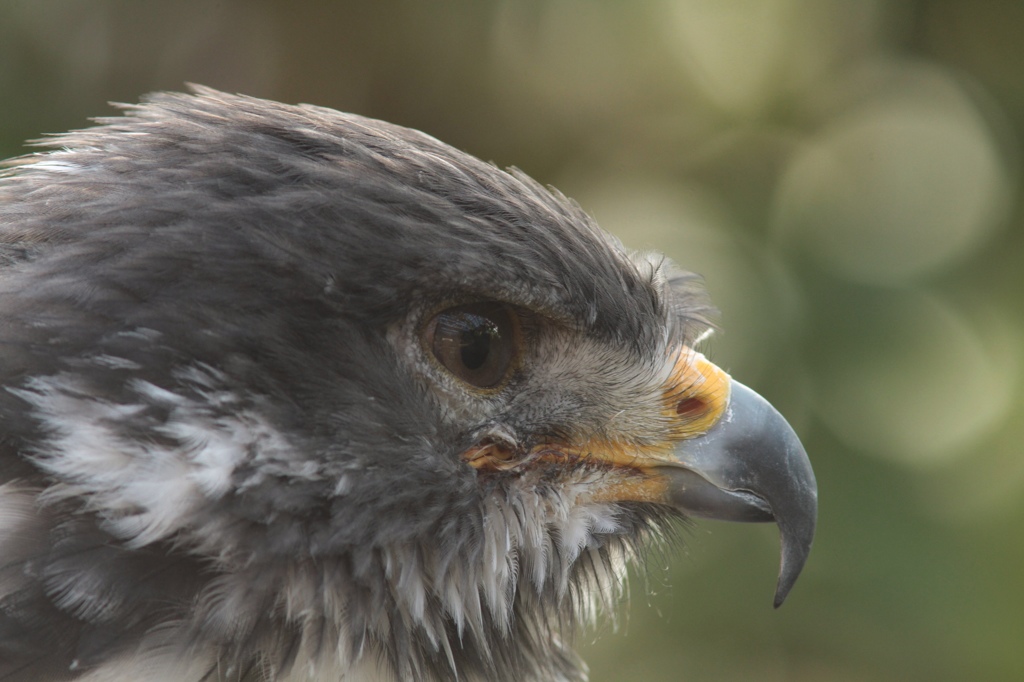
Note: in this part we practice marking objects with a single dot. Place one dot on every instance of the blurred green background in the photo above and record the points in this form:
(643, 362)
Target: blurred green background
(844, 173)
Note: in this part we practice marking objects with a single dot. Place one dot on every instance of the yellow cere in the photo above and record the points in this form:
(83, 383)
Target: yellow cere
(695, 396)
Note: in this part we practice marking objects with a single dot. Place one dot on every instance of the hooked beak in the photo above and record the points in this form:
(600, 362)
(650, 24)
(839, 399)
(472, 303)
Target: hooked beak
(750, 466)
(729, 455)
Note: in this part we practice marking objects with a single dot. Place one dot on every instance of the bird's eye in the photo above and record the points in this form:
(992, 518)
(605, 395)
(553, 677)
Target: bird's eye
(476, 342)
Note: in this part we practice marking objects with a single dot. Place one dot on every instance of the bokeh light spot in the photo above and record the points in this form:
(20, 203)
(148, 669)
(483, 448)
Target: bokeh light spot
(896, 189)
(921, 382)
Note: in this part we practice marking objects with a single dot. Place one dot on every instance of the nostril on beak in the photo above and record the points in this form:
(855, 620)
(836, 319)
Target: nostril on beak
(690, 407)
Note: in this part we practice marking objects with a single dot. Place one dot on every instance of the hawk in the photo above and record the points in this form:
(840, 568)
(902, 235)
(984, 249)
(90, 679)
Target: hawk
(292, 394)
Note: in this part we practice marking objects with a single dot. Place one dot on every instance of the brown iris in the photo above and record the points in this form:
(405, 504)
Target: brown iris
(477, 342)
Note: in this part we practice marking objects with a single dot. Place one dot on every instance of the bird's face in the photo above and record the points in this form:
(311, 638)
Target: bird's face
(380, 404)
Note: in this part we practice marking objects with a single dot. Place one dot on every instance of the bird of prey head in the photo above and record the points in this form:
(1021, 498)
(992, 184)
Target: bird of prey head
(291, 394)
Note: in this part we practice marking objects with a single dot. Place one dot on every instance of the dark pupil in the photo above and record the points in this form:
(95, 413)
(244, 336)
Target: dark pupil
(475, 340)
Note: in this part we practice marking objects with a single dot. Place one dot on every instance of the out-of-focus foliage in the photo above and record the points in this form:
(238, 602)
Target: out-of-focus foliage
(843, 172)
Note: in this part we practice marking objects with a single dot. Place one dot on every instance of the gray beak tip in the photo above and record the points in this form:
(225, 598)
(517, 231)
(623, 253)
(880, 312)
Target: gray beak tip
(751, 466)
(796, 535)
(793, 559)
